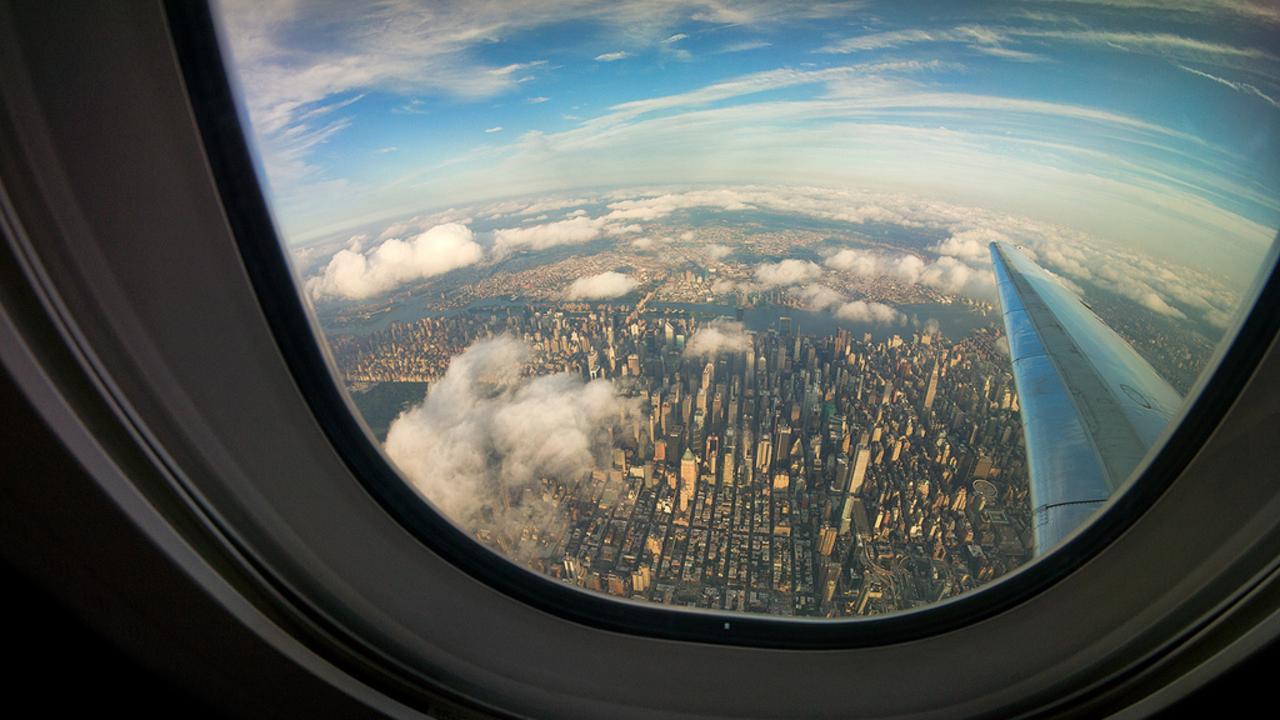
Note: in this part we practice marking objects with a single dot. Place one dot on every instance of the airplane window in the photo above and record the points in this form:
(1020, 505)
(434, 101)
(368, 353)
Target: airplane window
(826, 310)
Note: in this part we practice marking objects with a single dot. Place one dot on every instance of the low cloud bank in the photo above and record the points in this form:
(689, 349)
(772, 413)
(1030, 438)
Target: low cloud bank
(352, 274)
(786, 272)
(821, 297)
(873, 312)
(484, 434)
(962, 274)
(600, 287)
(717, 337)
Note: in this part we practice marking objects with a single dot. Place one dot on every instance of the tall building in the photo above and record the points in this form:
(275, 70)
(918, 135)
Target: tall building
(711, 453)
(688, 478)
(764, 455)
(860, 460)
(932, 391)
(842, 469)
(827, 540)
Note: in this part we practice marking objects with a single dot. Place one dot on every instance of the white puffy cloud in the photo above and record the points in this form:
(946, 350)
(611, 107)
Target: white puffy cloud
(953, 276)
(786, 272)
(652, 208)
(540, 237)
(602, 286)
(873, 312)
(724, 286)
(818, 297)
(353, 274)
(1152, 301)
(716, 252)
(1152, 283)
(948, 274)
(971, 244)
(717, 337)
(821, 297)
(858, 262)
(484, 430)
(907, 267)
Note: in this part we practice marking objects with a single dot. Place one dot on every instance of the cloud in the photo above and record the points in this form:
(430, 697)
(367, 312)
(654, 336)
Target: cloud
(819, 297)
(1152, 283)
(1154, 43)
(872, 312)
(611, 56)
(718, 336)
(896, 38)
(413, 107)
(716, 252)
(953, 273)
(485, 433)
(602, 286)
(988, 41)
(1009, 54)
(744, 46)
(858, 262)
(494, 129)
(352, 274)
(1253, 10)
(724, 286)
(540, 237)
(536, 100)
(970, 244)
(951, 276)
(991, 41)
(1152, 301)
(1242, 87)
(652, 208)
(786, 272)
(675, 38)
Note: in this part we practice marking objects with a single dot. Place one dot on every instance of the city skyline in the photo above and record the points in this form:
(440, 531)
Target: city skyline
(670, 456)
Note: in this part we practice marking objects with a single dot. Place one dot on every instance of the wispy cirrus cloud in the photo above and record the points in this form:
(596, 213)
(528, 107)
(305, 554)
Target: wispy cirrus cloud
(293, 61)
(1258, 10)
(996, 41)
(744, 46)
(1238, 86)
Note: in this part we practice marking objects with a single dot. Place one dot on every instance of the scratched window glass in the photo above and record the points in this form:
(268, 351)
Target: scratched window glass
(828, 310)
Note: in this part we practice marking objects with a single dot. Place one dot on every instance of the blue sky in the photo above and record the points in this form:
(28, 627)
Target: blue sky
(1148, 124)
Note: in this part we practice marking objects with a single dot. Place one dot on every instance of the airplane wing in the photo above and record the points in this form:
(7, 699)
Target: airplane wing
(1091, 406)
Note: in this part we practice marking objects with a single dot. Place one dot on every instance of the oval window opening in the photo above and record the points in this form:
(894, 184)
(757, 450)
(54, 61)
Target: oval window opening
(808, 311)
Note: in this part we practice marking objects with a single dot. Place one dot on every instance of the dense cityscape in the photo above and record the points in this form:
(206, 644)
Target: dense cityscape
(777, 472)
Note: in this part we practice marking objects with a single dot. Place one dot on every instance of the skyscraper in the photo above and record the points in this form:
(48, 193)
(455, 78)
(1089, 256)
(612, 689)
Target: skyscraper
(932, 391)
(860, 461)
(688, 478)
